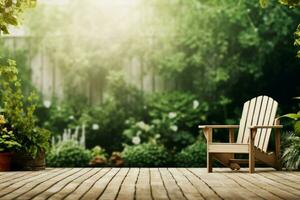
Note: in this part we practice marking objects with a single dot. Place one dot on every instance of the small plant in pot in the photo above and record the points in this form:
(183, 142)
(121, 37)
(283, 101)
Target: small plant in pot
(19, 112)
(8, 145)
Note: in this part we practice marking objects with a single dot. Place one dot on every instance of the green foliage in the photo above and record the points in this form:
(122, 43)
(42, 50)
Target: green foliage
(98, 151)
(172, 120)
(291, 154)
(296, 118)
(19, 111)
(58, 117)
(145, 155)
(104, 125)
(10, 10)
(210, 54)
(8, 142)
(99, 157)
(20, 55)
(192, 156)
(291, 3)
(68, 154)
(106, 122)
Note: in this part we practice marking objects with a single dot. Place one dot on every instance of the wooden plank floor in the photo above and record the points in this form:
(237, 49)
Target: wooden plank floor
(149, 183)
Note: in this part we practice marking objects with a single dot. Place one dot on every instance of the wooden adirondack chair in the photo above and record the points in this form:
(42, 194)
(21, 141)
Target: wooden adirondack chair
(257, 121)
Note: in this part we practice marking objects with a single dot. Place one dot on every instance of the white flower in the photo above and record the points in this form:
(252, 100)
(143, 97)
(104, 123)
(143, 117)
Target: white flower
(157, 136)
(47, 103)
(172, 115)
(71, 117)
(142, 125)
(95, 127)
(195, 104)
(136, 140)
(174, 128)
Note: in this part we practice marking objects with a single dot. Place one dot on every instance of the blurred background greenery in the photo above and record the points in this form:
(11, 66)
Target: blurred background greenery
(125, 74)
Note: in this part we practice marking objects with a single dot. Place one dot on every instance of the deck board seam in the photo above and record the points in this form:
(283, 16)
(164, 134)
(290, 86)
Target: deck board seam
(276, 184)
(182, 192)
(34, 196)
(119, 169)
(135, 184)
(205, 183)
(121, 184)
(60, 171)
(20, 178)
(14, 176)
(192, 183)
(263, 188)
(151, 191)
(50, 186)
(2, 195)
(279, 182)
(289, 179)
(162, 180)
(86, 178)
(244, 186)
(69, 182)
(94, 184)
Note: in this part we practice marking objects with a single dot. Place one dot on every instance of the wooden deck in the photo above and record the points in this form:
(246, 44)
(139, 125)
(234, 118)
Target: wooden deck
(149, 183)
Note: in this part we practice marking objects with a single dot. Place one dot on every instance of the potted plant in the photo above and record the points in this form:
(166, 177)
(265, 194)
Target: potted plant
(8, 145)
(19, 112)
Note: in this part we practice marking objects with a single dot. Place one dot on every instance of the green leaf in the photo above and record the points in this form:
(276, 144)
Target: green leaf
(263, 3)
(292, 116)
(4, 29)
(11, 20)
(297, 127)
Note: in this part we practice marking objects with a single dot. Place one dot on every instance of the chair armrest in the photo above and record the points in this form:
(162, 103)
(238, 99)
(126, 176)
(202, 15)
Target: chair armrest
(218, 126)
(267, 126)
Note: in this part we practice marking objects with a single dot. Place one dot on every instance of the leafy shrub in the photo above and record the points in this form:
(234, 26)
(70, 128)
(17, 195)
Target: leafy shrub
(145, 155)
(68, 154)
(104, 126)
(8, 141)
(57, 117)
(172, 120)
(20, 111)
(291, 154)
(192, 156)
(98, 157)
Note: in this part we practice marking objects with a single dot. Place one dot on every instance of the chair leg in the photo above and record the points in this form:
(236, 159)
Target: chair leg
(252, 151)
(251, 162)
(278, 165)
(209, 163)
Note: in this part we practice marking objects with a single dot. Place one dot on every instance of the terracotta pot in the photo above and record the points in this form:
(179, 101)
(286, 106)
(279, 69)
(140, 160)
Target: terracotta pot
(24, 162)
(5, 161)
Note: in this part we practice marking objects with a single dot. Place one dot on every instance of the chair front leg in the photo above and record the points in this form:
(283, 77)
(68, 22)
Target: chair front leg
(278, 165)
(208, 135)
(251, 150)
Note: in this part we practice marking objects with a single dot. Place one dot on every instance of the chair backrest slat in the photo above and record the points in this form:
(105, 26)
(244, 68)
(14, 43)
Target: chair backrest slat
(243, 122)
(262, 119)
(245, 132)
(258, 111)
(271, 122)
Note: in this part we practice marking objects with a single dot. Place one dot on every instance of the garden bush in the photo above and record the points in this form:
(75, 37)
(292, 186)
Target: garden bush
(192, 156)
(68, 154)
(291, 154)
(99, 157)
(104, 126)
(145, 155)
(171, 119)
